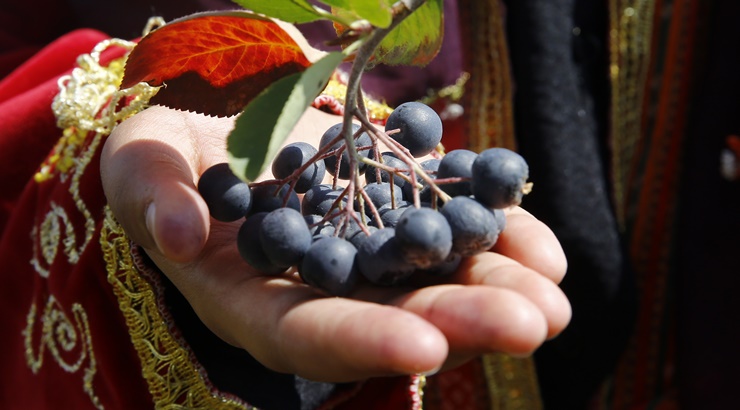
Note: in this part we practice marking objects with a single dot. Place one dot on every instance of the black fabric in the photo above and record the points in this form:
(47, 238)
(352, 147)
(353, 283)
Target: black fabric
(709, 226)
(560, 59)
(233, 370)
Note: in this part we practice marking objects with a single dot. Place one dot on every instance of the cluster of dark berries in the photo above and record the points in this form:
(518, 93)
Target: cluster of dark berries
(393, 218)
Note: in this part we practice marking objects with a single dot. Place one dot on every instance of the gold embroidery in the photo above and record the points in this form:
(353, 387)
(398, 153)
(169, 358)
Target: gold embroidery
(488, 105)
(630, 34)
(512, 382)
(337, 89)
(60, 336)
(174, 381)
(453, 92)
(48, 241)
(88, 101)
(47, 236)
(488, 94)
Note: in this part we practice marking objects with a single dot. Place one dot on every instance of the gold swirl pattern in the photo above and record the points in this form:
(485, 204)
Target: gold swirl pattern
(64, 339)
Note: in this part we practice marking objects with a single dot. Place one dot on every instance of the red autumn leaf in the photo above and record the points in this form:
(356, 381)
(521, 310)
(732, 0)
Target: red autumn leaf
(213, 63)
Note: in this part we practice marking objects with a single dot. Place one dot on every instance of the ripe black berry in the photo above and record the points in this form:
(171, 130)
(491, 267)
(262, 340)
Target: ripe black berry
(228, 197)
(267, 198)
(285, 237)
(330, 265)
(499, 178)
(363, 140)
(380, 260)
(420, 128)
(424, 236)
(291, 158)
(473, 226)
(457, 164)
(250, 248)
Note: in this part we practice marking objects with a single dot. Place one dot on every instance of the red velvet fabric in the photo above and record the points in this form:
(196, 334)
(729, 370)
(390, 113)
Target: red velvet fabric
(64, 344)
(29, 128)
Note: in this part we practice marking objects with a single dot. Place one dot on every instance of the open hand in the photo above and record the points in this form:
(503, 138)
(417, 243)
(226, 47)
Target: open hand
(501, 301)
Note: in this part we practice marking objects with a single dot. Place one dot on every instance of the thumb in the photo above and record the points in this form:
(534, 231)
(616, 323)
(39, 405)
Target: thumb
(149, 186)
(176, 220)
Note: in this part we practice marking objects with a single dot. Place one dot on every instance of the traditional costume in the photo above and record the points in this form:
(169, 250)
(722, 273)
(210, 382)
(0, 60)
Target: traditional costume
(609, 102)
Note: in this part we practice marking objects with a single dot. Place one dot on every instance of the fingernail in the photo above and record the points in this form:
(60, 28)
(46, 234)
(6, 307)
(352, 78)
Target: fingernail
(431, 372)
(150, 215)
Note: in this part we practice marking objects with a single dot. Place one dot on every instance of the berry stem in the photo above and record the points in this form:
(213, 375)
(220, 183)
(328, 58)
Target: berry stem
(401, 10)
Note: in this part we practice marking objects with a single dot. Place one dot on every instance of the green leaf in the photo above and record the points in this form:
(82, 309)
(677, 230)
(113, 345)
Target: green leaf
(291, 11)
(377, 12)
(417, 40)
(267, 121)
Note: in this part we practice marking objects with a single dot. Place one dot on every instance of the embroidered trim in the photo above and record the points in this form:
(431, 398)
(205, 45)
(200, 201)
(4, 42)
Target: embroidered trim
(416, 391)
(512, 382)
(665, 38)
(79, 110)
(488, 106)
(333, 97)
(174, 380)
(89, 102)
(630, 37)
(488, 97)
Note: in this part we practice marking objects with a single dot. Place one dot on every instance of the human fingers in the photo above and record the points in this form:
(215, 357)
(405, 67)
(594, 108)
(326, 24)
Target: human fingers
(496, 270)
(479, 319)
(290, 327)
(530, 264)
(530, 242)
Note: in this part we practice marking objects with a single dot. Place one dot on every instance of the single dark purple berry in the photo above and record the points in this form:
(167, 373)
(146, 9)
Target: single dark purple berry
(267, 198)
(285, 237)
(420, 128)
(330, 264)
(380, 259)
(474, 228)
(499, 178)
(228, 197)
(457, 164)
(380, 194)
(250, 248)
(294, 156)
(320, 199)
(362, 141)
(424, 236)
(388, 159)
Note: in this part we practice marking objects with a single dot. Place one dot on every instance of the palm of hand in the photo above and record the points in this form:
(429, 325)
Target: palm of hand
(507, 300)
